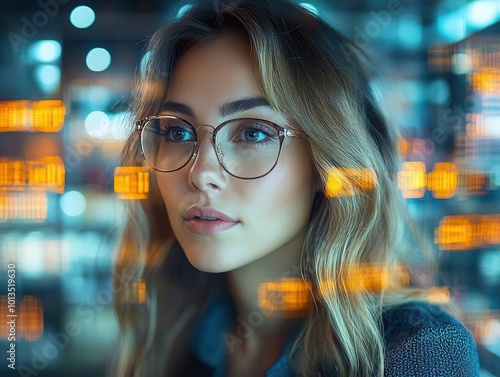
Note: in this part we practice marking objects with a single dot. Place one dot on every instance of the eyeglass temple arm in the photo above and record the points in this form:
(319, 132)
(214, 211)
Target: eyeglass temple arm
(293, 133)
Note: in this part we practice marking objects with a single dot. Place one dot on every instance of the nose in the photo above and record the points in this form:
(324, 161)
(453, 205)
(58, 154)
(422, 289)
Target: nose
(206, 173)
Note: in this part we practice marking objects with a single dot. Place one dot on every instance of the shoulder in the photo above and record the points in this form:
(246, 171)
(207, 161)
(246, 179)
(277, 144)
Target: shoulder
(424, 340)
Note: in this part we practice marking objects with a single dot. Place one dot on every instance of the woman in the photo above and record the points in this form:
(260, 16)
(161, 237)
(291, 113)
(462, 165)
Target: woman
(271, 163)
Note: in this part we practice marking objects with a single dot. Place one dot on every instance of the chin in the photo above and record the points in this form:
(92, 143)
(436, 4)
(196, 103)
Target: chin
(208, 261)
(211, 269)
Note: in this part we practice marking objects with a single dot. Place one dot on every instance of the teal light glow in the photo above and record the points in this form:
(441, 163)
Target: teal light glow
(82, 17)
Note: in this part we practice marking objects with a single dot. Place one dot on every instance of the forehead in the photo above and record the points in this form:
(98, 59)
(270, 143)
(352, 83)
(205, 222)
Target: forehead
(214, 72)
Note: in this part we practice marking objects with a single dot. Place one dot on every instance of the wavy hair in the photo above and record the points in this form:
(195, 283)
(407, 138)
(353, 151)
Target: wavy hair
(319, 81)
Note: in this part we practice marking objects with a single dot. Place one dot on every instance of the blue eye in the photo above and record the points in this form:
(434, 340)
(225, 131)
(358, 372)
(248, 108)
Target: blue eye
(173, 130)
(249, 133)
(178, 134)
(254, 135)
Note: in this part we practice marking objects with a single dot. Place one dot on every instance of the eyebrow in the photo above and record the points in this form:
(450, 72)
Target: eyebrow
(225, 109)
(240, 105)
(177, 107)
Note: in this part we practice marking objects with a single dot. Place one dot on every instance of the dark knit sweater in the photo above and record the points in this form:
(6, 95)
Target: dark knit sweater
(420, 340)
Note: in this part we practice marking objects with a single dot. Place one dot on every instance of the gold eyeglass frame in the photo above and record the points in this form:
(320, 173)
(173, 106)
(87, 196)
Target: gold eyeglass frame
(282, 134)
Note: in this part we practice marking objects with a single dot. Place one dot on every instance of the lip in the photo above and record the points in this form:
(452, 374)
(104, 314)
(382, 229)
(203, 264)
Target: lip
(194, 215)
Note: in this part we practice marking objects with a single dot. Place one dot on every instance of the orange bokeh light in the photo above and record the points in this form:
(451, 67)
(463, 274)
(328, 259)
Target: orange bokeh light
(466, 232)
(131, 182)
(412, 180)
(442, 181)
(349, 181)
(29, 319)
(32, 116)
(286, 295)
(47, 174)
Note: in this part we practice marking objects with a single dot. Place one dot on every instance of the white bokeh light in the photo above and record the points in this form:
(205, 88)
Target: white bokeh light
(48, 77)
(98, 59)
(73, 203)
(482, 13)
(46, 51)
(97, 124)
(492, 125)
(82, 17)
(461, 63)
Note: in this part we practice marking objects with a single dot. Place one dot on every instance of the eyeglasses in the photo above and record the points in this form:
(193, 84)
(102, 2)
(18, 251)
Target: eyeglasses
(247, 148)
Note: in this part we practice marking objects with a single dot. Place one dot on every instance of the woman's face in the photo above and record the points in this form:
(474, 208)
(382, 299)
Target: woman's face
(223, 222)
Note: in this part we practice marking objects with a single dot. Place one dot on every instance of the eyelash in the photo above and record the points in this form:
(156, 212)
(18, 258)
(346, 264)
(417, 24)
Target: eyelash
(260, 128)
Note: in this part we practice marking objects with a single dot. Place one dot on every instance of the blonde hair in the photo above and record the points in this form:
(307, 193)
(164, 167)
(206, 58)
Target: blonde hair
(317, 79)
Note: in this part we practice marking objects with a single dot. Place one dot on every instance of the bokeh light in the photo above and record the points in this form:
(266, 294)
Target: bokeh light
(82, 17)
(410, 30)
(97, 124)
(48, 77)
(45, 51)
(131, 182)
(482, 13)
(98, 59)
(73, 203)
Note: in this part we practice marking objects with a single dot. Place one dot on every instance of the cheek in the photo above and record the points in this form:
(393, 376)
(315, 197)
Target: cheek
(171, 187)
(296, 175)
(298, 187)
(287, 192)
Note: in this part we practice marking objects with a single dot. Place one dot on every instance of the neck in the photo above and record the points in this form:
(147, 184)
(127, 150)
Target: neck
(254, 290)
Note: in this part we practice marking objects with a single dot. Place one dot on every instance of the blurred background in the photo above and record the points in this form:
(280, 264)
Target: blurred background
(66, 73)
